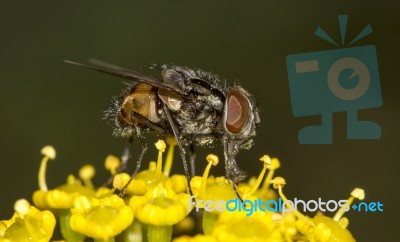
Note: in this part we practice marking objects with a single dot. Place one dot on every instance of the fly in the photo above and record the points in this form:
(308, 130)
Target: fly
(196, 107)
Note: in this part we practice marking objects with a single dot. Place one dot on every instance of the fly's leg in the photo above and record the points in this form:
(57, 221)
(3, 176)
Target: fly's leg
(192, 157)
(126, 155)
(181, 149)
(200, 138)
(235, 189)
(233, 173)
(143, 144)
(149, 123)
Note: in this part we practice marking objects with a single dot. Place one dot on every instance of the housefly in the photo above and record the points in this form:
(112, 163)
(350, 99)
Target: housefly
(196, 107)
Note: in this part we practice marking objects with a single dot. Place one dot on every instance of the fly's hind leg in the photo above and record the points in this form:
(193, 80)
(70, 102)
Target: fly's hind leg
(126, 155)
(143, 144)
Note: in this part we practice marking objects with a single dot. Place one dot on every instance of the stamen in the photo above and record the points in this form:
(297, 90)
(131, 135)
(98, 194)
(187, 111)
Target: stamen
(112, 164)
(356, 193)
(160, 145)
(171, 141)
(279, 183)
(343, 222)
(275, 164)
(49, 153)
(86, 173)
(152, 166)
(22, 206)
(212, 160)
(267, 162)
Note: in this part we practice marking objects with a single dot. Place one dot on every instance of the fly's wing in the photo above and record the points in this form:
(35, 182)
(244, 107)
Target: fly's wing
(115, 70)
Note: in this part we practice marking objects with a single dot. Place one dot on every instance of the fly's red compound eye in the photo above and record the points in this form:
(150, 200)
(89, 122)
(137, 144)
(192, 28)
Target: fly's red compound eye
(237, 111)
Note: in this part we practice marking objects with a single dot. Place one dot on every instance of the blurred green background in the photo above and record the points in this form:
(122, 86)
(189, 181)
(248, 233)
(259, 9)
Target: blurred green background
(44, 101)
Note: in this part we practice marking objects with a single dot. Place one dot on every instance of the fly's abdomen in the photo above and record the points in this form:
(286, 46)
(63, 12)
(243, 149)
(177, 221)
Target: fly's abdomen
(141, 100)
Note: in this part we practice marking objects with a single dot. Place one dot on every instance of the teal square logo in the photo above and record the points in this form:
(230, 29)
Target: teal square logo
(337, 80)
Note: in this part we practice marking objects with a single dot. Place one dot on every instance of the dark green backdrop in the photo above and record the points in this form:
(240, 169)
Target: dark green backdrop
(44, 101)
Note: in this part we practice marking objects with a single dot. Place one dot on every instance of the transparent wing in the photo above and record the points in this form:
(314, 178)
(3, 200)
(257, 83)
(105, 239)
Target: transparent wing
(116, 70)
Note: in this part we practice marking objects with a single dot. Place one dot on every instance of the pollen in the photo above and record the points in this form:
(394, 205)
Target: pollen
(358, 193)
(278, 182)
(22, 206)
(86, 173)
(171, 140)
(160, 145)
(266, 159)
(112, 164)
(275, 164)
(213, 159)
(49, 152)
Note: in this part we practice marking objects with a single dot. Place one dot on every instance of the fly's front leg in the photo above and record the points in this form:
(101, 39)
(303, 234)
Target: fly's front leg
(181, 149)
(233, 173)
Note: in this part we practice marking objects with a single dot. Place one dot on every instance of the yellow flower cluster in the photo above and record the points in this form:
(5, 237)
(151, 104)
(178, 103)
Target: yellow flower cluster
(156, 205)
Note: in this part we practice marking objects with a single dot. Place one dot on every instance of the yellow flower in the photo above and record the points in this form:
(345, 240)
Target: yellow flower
(237, 226)
(28, 224)
(322, 228)
(210, 188)
(62, 196)
(100, 218)
(146, 180)
(197, 238)
(158, 200)
(325, 229)
(160, 206)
